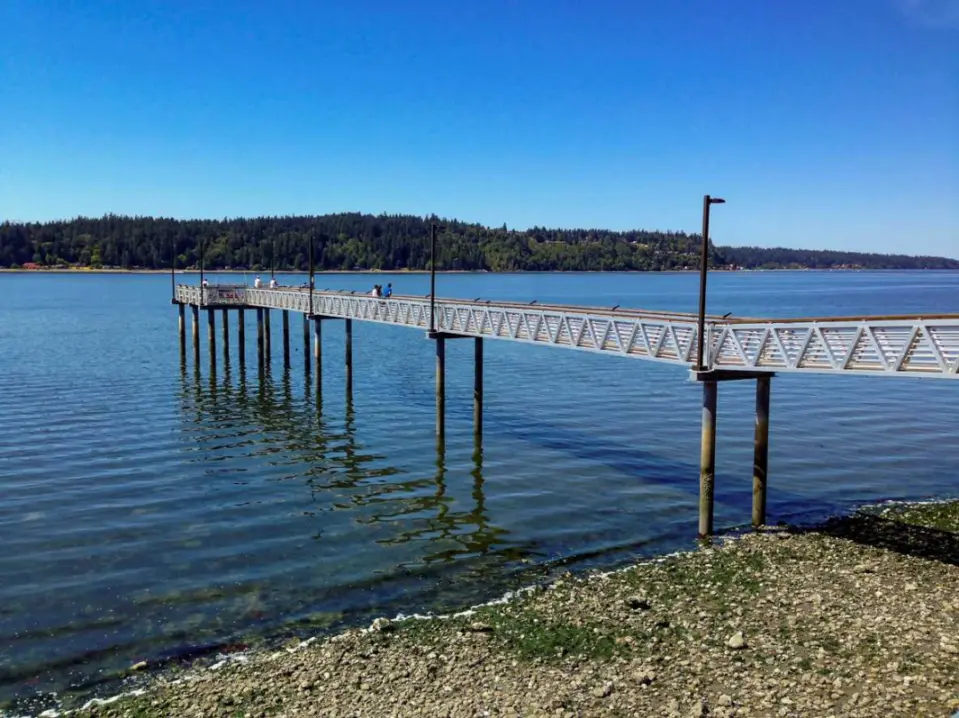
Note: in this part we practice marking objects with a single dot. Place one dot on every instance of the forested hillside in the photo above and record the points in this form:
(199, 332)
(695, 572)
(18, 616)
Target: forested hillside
(386, 242)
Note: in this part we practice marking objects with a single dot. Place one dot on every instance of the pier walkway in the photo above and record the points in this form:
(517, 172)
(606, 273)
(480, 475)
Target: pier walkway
(734, 347)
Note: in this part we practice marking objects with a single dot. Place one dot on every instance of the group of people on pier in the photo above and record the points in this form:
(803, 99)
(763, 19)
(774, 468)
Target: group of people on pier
(378, 290)
(258, 283)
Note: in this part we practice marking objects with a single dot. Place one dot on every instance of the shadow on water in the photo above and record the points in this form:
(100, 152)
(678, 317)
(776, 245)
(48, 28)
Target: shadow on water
(648, 466)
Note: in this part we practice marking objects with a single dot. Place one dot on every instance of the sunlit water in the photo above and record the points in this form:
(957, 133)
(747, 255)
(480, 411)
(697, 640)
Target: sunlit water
(151, 511)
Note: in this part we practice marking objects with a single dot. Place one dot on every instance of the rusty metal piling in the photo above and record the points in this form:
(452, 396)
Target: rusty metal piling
(707, 459)
(761, 450)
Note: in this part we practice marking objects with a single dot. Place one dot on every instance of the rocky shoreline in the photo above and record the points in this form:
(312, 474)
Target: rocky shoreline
(858, 617)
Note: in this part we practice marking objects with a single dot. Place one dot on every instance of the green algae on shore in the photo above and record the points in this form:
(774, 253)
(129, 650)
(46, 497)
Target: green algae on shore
(858, 617)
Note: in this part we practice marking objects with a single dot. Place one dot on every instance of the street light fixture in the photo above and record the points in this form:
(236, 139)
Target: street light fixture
(703, 266)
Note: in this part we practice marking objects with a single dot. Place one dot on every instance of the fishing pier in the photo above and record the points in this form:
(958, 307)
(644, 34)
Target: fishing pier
(731, 349)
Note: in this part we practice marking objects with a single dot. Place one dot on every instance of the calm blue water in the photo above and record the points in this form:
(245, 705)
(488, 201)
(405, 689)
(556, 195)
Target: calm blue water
(151, 510)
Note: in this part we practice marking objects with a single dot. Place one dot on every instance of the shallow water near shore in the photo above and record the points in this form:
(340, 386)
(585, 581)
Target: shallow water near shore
(154, 509)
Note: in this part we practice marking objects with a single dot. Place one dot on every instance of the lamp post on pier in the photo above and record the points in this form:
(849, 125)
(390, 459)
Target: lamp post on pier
(703, 266)
(311, 272)
(202, 291)
(432, 277)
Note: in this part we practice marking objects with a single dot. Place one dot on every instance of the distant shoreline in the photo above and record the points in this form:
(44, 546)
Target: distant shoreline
(217, 272)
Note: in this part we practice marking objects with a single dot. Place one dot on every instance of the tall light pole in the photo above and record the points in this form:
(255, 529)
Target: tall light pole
(432, 277)
(273, 259)
(202, 292)
(311, 271)
(703, 266)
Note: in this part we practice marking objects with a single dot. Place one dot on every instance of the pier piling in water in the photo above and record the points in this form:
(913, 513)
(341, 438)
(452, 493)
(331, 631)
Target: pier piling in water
(267, 334)
(241, 335)
(226, 336)
(349, 357)
(259, 338)
(707, 459)
(306, 342)
(182, 327)
(478, 386)
(286, 338)
(211, 336)
(195, 331)
(318, 352)
(761, 450)
(440, 387)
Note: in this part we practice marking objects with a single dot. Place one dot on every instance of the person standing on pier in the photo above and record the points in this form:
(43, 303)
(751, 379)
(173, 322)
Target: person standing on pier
(256, 282)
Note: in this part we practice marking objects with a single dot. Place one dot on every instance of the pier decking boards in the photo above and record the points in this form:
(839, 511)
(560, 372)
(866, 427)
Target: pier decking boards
(734, 347)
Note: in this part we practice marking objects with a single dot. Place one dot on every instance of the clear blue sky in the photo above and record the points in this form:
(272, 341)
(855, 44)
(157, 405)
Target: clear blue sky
(824, 123)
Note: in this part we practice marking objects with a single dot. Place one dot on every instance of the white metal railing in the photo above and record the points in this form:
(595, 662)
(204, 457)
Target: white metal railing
(214, 295)
(879, 346)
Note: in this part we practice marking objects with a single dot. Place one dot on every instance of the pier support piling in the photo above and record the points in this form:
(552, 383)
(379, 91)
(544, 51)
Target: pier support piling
(440, 387)
(241, 335)
(211, 336)
(761, 450)
(306, 342)
(225, 317)
(195, 331)
(478, 387)
(267, 334)
(349, 357)
(286, 338)
(182, 328)
(707, 459)
(318, 352)
(259, 337)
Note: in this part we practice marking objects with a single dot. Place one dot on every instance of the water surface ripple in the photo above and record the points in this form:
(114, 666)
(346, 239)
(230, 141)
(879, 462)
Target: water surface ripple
(156, 509)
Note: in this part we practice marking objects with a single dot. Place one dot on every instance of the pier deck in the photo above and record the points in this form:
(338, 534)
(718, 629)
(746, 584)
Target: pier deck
(925, 346)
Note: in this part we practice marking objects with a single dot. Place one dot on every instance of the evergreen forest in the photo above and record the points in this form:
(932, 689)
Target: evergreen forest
(354, 241)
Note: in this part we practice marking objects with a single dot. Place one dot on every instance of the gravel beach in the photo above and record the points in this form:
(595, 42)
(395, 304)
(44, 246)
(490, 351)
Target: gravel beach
(859, 617)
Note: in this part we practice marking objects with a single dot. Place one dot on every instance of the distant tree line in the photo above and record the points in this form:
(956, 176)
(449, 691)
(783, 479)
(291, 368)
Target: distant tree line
(389, 242)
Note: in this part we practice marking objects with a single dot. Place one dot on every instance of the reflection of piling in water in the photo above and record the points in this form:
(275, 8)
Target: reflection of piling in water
(420, 508)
